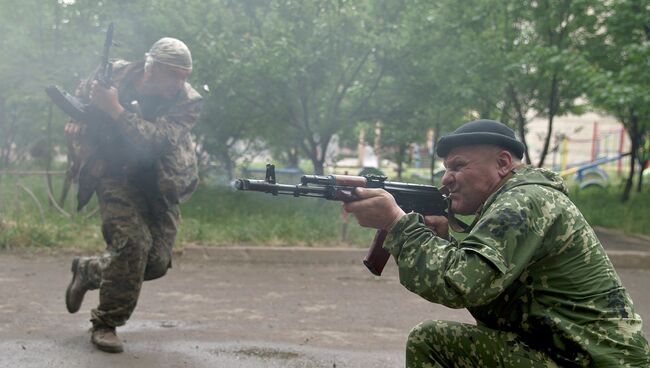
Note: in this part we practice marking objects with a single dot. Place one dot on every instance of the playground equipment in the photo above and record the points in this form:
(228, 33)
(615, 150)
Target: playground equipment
(589, 174)
(606, 147)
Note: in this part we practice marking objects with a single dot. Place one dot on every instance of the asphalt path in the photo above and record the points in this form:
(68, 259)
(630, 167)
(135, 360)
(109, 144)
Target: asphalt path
(212, 313)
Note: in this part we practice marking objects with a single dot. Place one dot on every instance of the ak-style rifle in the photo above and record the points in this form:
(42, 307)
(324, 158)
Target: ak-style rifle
(423, 199)
(71, 105)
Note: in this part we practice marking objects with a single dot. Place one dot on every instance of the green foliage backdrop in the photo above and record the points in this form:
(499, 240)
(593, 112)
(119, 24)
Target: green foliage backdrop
(283, 79)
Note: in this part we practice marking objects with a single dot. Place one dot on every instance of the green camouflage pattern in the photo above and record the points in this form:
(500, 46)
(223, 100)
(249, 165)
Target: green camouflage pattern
(531, 266)
(153, 132)
(139, 229)
(454, 344)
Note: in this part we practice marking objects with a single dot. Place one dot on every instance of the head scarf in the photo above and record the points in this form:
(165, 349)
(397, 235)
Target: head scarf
(171, 51)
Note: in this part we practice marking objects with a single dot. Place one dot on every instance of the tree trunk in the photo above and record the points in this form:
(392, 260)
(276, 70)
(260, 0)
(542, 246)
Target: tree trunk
(401, 151)
(230, 169)
(292, 157)
(319, 167)
(639, 184)
(552, 108)
(432, 167)
(3, 132)
(634, 139)
(48, 154)
(521, 121)
(377, 143)
(227, 162)
(521, 129)
(67, 182)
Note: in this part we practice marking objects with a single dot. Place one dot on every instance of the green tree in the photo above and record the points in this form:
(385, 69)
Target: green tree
(427, 84)
(618, 47)
(304, 70)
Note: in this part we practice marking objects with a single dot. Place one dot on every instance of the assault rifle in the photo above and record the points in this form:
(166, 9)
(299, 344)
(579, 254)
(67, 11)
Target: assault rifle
(71, 105)
(423, 199)
(99, 133)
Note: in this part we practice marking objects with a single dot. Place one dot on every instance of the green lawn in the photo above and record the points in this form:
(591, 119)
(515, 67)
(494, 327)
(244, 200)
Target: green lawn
(221, 216)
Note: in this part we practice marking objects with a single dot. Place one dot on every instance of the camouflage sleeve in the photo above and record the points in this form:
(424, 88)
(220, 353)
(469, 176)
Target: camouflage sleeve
(167, 130)
(476, 270)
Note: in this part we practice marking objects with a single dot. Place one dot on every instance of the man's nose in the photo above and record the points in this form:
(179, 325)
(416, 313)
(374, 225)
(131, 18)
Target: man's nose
(447, 178)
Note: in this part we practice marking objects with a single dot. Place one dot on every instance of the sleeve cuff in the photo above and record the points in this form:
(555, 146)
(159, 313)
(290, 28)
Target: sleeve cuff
(394, 239)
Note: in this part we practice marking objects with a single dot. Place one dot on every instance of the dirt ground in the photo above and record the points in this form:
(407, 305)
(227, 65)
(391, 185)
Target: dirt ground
(217, 314)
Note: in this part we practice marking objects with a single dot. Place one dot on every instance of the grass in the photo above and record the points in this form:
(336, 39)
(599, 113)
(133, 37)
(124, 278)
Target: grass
(215, 215)
(221, 216)
(603, 207)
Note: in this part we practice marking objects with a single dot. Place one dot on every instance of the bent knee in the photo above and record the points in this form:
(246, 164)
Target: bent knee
(426, 330)
(118, 236)
(155, 272)
(156, 268)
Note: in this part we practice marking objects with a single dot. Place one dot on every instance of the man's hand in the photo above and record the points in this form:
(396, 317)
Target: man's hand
(439, 225)
(105, 99)
(376, 208)
(72, 130)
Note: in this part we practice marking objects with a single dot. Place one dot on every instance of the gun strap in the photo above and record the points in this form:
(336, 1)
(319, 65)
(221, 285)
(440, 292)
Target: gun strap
(456, 224)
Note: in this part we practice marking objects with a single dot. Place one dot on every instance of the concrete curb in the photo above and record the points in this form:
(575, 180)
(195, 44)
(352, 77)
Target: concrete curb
(290, 255)
(629, 259)
(324, 256)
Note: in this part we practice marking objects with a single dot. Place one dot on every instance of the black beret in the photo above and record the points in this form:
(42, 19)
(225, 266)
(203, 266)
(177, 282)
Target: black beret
(481, 132)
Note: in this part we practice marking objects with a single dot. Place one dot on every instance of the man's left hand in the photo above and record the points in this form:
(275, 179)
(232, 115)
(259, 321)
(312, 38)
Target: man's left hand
(376, 208)
(439, 225)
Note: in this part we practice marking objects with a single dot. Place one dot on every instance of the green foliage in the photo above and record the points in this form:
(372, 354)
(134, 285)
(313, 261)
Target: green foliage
(214, 216)
(225, 217)
(285, 77)
(221, 216)
(618, 49)
(302, 71)
(22, 224)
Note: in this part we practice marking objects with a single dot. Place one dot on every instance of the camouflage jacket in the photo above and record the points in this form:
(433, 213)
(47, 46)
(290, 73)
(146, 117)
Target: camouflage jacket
(530, 265)
(150, 136)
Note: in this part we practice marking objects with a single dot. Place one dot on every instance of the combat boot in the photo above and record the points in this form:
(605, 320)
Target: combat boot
(77, 288)
(105, 339)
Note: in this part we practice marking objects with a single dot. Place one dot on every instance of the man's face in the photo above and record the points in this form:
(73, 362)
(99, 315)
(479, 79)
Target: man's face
(166, 81)
(472, 174)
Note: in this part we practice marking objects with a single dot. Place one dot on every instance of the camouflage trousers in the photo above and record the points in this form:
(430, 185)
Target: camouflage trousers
(437, 344)
(139, 229)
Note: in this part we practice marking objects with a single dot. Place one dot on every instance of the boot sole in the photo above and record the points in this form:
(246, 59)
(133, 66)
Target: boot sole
(72, 308)
(108, 349)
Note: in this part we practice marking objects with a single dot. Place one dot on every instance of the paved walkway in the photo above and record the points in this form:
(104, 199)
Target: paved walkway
(244, 307)
(210, 312)
(625, 251)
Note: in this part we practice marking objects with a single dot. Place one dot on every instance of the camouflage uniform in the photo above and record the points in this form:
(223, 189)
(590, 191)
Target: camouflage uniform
(141, 167)
(534, 276)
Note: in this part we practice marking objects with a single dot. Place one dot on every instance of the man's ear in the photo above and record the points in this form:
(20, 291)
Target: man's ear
(504, 163)
(147, 75)
(148, 71)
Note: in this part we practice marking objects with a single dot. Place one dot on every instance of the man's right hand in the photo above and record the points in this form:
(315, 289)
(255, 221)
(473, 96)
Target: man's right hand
(72, 130)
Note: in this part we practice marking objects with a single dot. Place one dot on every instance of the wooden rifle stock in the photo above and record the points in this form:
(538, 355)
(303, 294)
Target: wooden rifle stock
(377, 256)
